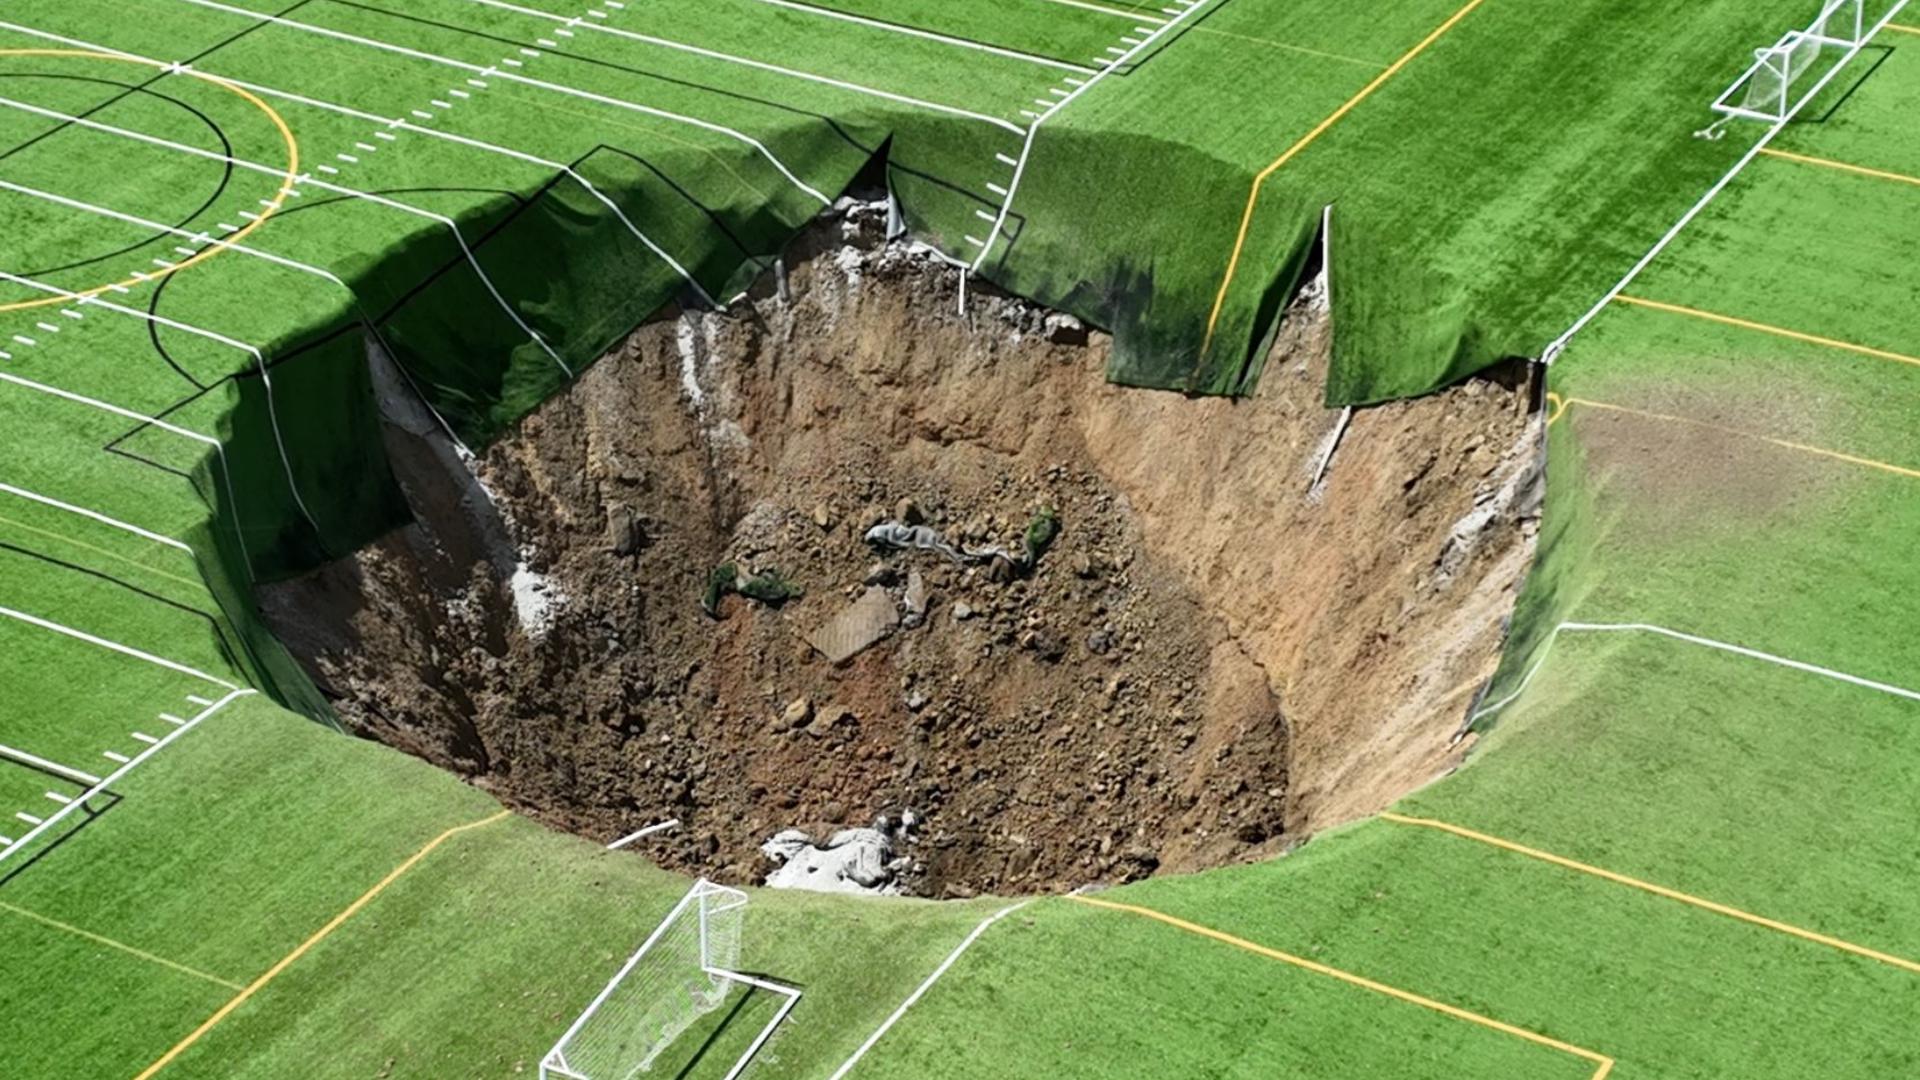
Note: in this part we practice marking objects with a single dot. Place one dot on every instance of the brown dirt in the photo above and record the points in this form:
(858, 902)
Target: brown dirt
(1206, 665)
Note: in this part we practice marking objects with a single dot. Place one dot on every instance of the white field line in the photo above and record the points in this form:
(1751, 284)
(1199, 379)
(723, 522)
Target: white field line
(114, 777)
(198, 237)
(94, 515)
(387, 125)
(777, 69)
(39, 762)
(226, 473)
(306, 180)
(1137, 16)
(260, 361)
(1559, 344)
(921, 990)
(397, 123)
(1692, 639)
(1187, 8)
(496, 72)
(929, 35)
(792, 996)
(114, 646)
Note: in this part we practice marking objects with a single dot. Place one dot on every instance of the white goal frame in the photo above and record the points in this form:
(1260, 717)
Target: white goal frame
(709, 905)
(1841, 25)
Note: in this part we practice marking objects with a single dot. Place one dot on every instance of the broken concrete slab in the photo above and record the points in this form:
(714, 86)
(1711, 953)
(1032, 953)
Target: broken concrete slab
(857, 627)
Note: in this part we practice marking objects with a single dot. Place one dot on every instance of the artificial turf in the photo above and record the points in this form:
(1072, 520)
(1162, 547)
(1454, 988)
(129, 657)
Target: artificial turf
(1483, 196)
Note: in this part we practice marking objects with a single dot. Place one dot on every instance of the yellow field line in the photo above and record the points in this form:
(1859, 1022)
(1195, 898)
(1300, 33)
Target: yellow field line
(1559, 407)
(1777, 331)
(1603, 1063)
(270, 206)
(1829, 163)
(319, 935)
(120, 945)
(137, 564)
(1301, 49)
(1253, 196)
(1851, 459)
(1903, 29)
(1657, 890)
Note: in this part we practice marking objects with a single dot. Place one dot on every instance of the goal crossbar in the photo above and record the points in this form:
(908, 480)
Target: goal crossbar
(1783, 76)
(682, 971)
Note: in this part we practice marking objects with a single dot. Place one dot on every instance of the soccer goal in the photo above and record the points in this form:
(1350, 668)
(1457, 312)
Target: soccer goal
(1785, 75)
(682, 972)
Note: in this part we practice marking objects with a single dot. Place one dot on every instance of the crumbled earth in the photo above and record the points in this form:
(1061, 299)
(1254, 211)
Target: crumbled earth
(1209, 660)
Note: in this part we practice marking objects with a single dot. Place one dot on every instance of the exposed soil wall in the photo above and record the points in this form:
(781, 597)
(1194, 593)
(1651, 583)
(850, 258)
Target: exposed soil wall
(1210, 661)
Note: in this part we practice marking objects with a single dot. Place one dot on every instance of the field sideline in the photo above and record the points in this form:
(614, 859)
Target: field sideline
(1679, 848)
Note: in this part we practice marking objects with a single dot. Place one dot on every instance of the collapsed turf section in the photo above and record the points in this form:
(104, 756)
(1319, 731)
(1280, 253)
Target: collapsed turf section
(1773, 789)
(1227, 645)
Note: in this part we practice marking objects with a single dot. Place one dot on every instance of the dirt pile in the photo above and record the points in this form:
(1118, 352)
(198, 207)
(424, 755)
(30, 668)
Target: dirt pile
(1204, 662)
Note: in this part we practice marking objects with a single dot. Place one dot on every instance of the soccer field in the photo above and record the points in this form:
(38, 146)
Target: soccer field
(220, 210)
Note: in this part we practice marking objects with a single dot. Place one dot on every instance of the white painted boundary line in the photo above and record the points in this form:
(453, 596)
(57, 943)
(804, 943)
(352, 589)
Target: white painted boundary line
(198, 237)
(1188, 7)
(39, 762)
(259, 360)
(1692, 639)
(1559, 344)
(930, 35)
(648, 831)
(226, 474)
(125, 650)
(777, 69)
(306, 180)
(114, 777)
(398, 123)
(94, 515)
(540, 84)
(921, 990)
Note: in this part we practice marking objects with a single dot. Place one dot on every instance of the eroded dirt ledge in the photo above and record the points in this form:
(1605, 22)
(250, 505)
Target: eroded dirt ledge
(1210, 662)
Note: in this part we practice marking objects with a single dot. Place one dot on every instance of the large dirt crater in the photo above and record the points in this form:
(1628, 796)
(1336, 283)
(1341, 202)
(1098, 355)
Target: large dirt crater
(1213, 656)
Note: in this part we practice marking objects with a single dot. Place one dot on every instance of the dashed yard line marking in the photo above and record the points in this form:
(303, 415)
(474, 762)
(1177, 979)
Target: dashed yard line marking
(1562, 404)
(121, 946)
(1841, 166)
(1253, 196)
(1603, 1064)
(1765, 328)
(279, 123)
(316, 938)
(1657, 890)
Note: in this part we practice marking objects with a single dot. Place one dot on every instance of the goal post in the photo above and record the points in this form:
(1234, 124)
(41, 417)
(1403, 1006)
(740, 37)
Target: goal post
(1786, 74)
(684, 970)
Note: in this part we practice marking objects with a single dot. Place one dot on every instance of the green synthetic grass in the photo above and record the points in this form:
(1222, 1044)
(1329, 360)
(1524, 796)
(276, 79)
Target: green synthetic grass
(1776, 791)
(1484, 197)
(508, 924)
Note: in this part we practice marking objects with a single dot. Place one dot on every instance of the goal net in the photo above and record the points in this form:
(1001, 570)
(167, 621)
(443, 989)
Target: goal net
(683, 971)
(1789, 71)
